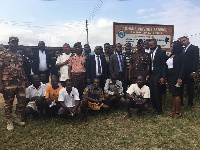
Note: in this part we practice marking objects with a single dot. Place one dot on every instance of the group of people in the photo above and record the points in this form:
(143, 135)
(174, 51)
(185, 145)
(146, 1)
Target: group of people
(81, 82)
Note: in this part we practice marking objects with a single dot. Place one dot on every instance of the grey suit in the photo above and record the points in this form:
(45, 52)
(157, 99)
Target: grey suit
(115, 68)
(114, 65)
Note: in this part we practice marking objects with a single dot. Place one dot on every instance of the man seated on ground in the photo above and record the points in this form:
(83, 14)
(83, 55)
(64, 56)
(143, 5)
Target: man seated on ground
(93, 97)
(69, 100)
(114, 91)
(52, 92)
(35, 97)
(137, 95)
(43, 79)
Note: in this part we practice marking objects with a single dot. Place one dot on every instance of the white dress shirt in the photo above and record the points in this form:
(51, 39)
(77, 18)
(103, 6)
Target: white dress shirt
(31, 91)
(68, 99)
(185, 49)
(152, 57)
(170, 63)
(120, 65)
(64, 69)
(96, 60)
(42, 61)
(144, 91)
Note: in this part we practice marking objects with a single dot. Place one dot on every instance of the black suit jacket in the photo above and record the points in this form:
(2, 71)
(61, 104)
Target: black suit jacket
(191, 59)
(36, 61)
(178, 65)
(114, 65)
(159, 63)
(27, 64)
(91, 67)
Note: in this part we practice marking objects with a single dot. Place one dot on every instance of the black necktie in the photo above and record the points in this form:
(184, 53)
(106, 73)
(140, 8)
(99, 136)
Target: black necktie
(184, 50)
(99, 66)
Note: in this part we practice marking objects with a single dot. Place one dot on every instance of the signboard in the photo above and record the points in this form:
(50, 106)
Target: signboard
(131, 32)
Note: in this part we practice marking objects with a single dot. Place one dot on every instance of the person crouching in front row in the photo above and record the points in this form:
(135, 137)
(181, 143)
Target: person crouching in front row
(114, 91)
(137, 95)
(93, 97)
(69, 100)
(52, 92)
(35, 98)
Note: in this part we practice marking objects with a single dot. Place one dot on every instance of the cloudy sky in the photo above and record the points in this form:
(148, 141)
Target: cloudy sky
(63, 21)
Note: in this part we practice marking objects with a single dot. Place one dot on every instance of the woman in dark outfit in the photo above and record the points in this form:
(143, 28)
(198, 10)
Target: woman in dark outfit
(175, 76)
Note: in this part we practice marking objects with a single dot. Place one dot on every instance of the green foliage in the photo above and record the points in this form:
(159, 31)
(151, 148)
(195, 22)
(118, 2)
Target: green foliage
(197, 83)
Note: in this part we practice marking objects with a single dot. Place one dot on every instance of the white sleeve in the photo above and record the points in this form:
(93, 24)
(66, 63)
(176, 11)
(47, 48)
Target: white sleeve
(107, 87)
(27, 92)
(61, 96)
(121, 88)
(58, 60)
(131, 89)
(44, 90)
(76, 94)
(147, 92)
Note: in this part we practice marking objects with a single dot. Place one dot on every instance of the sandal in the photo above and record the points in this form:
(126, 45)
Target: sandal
(177, 115)
(172, 114)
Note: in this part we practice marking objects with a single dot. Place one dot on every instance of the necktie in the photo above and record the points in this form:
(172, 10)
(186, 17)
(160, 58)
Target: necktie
(120, 59)
(152, 58)
(99, 66)
(184, 50)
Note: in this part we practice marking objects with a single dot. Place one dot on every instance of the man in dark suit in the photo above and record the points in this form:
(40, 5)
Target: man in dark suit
(157, 74)
(96, 67)
(41, 61)
(191, 61)
(118, 65)
(28, 64)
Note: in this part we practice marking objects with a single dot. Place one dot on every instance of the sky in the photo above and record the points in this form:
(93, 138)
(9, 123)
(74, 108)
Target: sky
(64, 21)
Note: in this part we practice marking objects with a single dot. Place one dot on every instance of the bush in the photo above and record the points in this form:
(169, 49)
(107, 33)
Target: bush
(197, 83)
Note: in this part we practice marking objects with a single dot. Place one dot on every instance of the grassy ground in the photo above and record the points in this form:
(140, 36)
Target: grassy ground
(107, 131)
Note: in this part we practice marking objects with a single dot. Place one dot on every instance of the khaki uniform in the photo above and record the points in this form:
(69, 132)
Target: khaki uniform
(13, 82)
(139, 65)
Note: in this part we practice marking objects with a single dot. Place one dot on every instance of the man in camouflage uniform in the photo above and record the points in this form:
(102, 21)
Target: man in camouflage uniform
(12, 82)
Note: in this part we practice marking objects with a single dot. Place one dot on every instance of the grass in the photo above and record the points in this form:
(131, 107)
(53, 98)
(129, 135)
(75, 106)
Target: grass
(108, 131)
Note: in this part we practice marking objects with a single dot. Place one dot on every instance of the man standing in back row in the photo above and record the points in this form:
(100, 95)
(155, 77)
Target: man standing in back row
(118, 65)
(41, 61)
(157, 74)
(77, 69)
(191, 62)
(62, 63)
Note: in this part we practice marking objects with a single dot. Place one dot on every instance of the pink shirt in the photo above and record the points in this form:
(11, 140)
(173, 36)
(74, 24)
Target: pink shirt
(77, 63)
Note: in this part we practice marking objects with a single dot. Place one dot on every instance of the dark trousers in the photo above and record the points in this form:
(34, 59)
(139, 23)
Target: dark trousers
(189, 81)
(52, 111)
(122, 77)
(46, 73)
(155, 91)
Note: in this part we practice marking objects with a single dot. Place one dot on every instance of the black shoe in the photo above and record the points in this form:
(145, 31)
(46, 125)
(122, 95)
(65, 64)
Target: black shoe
(139, 112)
(153, 112)
(158, 113)
(91, 112)
(190, 105)
(127, 116)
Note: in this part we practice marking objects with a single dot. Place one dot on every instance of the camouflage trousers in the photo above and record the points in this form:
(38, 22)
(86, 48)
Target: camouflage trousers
(12, 89)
